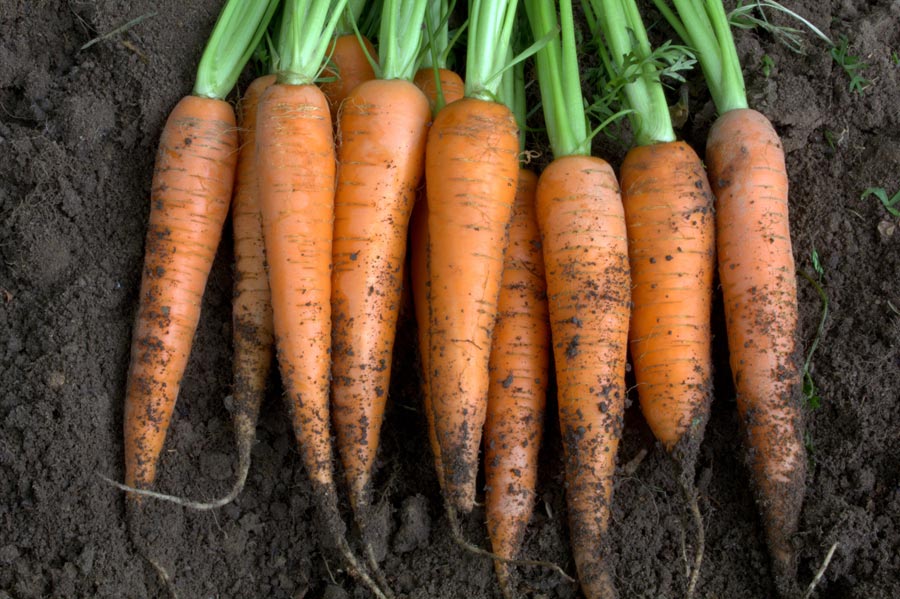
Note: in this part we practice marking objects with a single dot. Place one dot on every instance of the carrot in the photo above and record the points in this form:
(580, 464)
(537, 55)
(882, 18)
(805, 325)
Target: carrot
(350, 60)
(252, 317)
(671, 247)
(519, 368)
(383, 128)
(190, 197)
(446, 88)
(296, 174)
(756, 269)
(471, 172)
(583, 236)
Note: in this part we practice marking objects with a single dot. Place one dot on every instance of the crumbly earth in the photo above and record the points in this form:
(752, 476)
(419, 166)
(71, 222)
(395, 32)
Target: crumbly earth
(78, 130)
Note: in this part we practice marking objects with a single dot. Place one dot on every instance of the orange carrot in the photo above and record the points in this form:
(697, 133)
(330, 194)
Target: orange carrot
(671, 245)
(583, 236)
(383, 128)
(519, 368)
(351, 68)
(296, 173)
(190, 196)
(189, 201)
(252, 317)
(418, 248)
(756, 268)
(471, 172)
(451, 85)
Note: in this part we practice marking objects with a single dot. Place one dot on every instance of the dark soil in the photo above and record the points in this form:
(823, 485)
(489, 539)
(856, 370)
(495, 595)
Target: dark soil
(78, 130)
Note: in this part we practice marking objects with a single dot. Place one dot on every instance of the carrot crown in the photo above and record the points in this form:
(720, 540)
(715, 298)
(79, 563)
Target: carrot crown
(631, 57)
(306, 30)
(491, 25)
(400, 38)
(237, 33)
(704, 26)
(559, 79)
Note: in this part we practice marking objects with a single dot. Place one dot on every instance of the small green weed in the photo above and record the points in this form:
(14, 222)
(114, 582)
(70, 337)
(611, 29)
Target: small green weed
(882, 195)
(752, 15)
(895, 58)
(851, 64)
(810, 391)
(767, 65)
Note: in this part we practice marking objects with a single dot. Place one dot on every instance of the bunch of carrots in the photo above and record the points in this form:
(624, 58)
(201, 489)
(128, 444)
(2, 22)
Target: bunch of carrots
(349, 156)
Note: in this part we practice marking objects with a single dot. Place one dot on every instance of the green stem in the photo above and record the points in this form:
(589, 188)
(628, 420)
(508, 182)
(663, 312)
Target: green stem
(400, 39)
(307, 27)
(235, 37)
(704, 26)
(559, 79)
(490, 32)
(350, 17)
(625, 35)
(437, 35)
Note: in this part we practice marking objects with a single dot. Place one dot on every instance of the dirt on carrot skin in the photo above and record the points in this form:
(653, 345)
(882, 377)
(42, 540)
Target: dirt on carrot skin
(78, 133)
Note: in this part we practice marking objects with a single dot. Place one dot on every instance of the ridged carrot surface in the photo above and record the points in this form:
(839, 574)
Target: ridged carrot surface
(519, 369)
(190, 196)
(583, 235)
(671, 245)
(383, 126)
(418, 247)
(756, 268)
(252, 317)
(296, 170)
(471, 169)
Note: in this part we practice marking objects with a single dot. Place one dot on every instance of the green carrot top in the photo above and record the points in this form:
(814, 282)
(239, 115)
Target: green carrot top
(307, 27)
(400, 38)
(491, 25)
(629, 48)
(235, 37)
(704, 26)
(559, 79)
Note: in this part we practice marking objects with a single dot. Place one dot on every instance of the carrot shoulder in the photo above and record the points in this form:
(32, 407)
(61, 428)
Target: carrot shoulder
(583, 236)
(756, 267)
(191, 193)
(351, 68)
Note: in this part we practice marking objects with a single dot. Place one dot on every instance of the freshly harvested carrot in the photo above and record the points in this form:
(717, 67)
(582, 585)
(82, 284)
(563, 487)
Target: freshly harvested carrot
(383, 128)
(756, 268)
(190, 197)
(519, 366)
(296, 173)
(252, 317)
(519, 369)
(471, 169)
(671, 247)
(350, 59)
(451, 85)
(583, 236)
(451, 88)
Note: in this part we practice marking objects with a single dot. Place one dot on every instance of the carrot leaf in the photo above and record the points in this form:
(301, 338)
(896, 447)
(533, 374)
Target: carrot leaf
(235, 37)
(882, 195)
